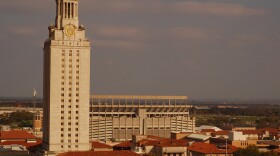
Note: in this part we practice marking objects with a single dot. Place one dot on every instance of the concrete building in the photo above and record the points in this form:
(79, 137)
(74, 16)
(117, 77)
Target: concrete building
(119, 117)
(38, 123)
(66, 83)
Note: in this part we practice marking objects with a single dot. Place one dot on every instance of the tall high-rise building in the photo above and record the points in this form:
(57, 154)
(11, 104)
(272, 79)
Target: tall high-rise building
(66, 82)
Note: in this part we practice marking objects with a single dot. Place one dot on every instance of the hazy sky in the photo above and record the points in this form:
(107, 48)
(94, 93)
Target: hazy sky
(202, 49)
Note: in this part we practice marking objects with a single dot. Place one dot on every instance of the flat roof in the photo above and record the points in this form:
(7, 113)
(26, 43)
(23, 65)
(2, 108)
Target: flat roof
(137, 97)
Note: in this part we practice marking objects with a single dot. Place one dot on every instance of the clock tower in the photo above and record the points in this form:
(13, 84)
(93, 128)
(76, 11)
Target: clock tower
(66, 83)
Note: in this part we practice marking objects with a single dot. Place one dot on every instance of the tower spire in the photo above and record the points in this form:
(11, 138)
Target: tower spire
(66, 13)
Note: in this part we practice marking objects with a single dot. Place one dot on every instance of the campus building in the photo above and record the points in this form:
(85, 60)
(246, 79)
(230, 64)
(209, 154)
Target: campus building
(119, 117)
(71, 118)
(66, 83)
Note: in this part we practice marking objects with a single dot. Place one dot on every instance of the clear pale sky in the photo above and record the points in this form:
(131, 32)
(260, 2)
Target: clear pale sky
(202, 49)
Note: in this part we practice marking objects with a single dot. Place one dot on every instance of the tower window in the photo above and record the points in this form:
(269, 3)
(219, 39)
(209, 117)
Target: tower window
(69, 10)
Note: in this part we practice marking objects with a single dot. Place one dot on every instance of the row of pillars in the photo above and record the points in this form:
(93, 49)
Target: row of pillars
(67, 10)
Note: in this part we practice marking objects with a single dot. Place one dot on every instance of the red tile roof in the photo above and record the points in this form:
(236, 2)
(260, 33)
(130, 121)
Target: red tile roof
(205, 148)
(251, 132)
(207, 130)
(148, 142)
(277, 150)
(16, 134)
(271, 130)
(173, 143)
(224, 132)
(23, 143)
(96, 144)
(123, 144)
(100, 153)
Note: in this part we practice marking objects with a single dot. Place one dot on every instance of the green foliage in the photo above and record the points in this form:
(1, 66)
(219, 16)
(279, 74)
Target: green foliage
(255, 115)
(252, 151)
(17, 119)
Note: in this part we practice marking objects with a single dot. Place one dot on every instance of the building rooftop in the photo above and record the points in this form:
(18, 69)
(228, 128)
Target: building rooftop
(250, 132)
(96, 144)
(173, 143)
(125, 144)
(207, 130)
(198, 137)
(23, 143)
(136, 97)
(16, 134)
(223, 132)
(100, 153)
(211, 148)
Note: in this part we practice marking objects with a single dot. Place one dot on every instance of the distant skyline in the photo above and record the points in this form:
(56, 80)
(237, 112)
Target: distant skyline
(201, 49)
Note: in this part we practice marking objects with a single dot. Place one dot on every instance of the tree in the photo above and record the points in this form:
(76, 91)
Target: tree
(253, 151)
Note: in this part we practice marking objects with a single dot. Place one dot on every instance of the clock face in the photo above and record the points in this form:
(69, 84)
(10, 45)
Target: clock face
(69, 30)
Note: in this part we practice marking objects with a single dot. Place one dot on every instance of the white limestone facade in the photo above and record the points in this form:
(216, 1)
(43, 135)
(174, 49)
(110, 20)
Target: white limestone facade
(66, 83)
